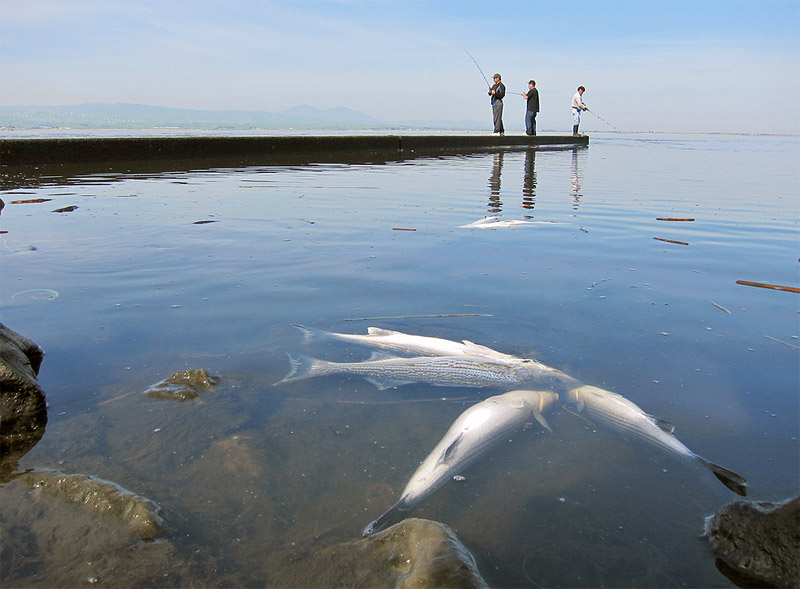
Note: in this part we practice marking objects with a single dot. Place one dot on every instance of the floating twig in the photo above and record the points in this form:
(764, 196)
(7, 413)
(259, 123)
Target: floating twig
(794, 347)
(402, 229)
(721, 307)
(418, 316)
(673, 219)
(30, 201)
(671, 241)
(771, 286)
(117, 398)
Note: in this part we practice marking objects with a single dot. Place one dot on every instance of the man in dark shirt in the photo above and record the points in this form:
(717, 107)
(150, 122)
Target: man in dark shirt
(497, 92)
(532, 96)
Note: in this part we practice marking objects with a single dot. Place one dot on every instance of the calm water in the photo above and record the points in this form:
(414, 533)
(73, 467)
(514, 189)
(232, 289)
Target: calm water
(252, 470)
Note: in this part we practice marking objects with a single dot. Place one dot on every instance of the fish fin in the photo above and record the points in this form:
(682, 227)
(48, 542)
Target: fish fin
(378, 355)
(380, 331)
(382, 385)
(300, 367)
(540, 418)
(394, 515)
(730, 479)
(664, 426)
(309, 334)
(447, 455)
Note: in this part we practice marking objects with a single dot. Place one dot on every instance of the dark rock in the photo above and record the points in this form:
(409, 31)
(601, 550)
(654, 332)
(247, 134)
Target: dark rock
(23, 408)
(413, 553)
(183, 386)
(757, 543)
(140, 514)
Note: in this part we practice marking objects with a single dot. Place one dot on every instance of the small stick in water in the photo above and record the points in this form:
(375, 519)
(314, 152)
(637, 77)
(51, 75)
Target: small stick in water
(721, 307)
(766, 285)
(671, 241)
(672, 219)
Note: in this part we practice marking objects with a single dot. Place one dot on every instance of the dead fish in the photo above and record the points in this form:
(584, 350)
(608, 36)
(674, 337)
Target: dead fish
(418, 345)
(620, 414)
(385, 371)
(476, 430)
(495, 222)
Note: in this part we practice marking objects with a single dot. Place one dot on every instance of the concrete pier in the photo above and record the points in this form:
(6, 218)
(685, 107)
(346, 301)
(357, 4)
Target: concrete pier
(260, 149)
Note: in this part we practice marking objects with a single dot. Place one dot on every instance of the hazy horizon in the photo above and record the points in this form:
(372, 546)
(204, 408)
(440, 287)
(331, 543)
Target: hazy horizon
(679, 66)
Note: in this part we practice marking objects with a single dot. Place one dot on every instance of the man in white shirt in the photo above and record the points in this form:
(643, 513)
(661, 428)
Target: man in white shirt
(577, 106)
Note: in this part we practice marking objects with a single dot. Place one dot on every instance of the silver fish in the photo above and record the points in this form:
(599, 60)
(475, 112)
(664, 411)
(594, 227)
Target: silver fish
(495, 222)
(418, 345)
(390, 371)
(620, 414)
(474, 432)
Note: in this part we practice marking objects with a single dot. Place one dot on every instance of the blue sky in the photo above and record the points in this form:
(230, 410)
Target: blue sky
(648, 65)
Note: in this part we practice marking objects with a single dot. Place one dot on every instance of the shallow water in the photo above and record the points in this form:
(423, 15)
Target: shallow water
(251, 469)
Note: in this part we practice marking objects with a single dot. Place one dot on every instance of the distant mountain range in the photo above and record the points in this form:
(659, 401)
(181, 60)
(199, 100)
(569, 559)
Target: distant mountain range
(139, 116)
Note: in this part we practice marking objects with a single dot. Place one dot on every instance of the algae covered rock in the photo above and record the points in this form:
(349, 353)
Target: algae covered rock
(757, 543)
(412, 553)
(23, 409)
(183, 386)
(140, 514)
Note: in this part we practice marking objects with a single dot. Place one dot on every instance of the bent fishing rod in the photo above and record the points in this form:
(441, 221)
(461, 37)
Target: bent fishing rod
(479, 69)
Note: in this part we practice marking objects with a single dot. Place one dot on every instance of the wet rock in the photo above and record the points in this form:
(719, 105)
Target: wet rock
(757, 543)
(23, 409)
(183, 386)
(413, 553)
(140, 514)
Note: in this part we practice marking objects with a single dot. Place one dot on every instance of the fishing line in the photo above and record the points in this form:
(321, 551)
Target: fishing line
(602, 119)
(479, 69)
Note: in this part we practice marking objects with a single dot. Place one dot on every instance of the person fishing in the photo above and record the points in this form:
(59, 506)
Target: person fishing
(497, 92)
(577, 106)
(532, 96)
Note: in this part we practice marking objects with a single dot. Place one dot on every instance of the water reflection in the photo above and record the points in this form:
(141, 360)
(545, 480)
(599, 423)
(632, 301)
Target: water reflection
(529, 181)
(495, 204)
(575, 180)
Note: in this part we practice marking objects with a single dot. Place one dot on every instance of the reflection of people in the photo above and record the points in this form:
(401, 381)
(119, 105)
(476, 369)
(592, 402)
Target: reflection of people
(497, 92)
(529, 181)
(575, 180)
(532, 96)
(495, 204)
(577, 106)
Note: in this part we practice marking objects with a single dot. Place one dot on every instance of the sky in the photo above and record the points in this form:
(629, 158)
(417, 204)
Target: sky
(648, 65)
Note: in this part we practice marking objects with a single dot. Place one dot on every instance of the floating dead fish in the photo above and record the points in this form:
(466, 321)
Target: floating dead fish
(418, 345)
(476, 430)
(386, 371)
(620, 414)
(495, 222)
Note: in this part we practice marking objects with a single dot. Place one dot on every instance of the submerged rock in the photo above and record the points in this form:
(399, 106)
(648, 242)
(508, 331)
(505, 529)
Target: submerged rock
(23, 409)
(413, 553)
(757, 543)
(183, 386)
(140, 514)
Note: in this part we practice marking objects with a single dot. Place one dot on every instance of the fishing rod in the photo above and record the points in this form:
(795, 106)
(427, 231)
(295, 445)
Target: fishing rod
(602, 119)
(479, 69)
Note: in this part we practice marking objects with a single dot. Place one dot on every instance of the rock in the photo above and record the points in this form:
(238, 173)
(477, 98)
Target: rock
(413, 553)
(757, 543)
(23, 408)
(183, 386)
(140, 514)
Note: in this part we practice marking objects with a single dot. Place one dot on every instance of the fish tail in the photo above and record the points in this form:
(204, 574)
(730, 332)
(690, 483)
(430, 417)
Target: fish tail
(301, 367)
(309, 334)
(394, 515)
(730, 479)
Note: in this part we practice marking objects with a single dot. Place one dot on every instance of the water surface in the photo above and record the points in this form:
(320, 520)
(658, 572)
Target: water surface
(160, 272)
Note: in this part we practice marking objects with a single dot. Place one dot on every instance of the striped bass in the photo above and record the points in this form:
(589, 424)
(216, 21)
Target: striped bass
(620, 414)
(390, 371)
(417, 345)
(475, 431)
